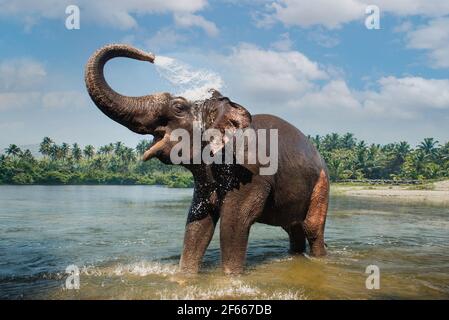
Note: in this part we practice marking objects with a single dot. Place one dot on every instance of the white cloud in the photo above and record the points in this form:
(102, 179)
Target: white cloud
(21, 82)
(271, 73)
(164, 38)
(19, 79)
(334, 95)
(429, 8)
(64, 99)
(323, 39)
(187, 20)
(433, 37)
(407, 97)
(37, 99)
(333, 14)
(307, 13)
(19, 74)
(403, 27)
(284, 43)
(317, 99)
(18, 100)
(395, 98)
(296, 85)
(116, 13)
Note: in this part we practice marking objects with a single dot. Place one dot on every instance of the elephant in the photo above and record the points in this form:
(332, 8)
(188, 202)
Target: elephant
(294, 198)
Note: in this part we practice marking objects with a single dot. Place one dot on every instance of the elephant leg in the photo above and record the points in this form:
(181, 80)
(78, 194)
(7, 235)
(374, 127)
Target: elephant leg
(196, 240)
(297, 238)
(316, 216)
(239, 211)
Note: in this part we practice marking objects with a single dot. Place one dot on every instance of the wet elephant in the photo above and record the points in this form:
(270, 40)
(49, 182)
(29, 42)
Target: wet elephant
(295, 197)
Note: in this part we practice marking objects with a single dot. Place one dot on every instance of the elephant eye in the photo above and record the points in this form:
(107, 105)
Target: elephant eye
(178, 108)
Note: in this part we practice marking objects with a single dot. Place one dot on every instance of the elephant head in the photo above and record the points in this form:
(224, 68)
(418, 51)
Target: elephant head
(157, 114)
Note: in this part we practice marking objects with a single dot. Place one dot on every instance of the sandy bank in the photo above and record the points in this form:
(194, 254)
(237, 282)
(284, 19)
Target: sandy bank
(438, 193)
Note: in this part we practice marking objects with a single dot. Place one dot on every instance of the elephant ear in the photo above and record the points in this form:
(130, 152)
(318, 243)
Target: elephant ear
(228, 114)
(227, 117)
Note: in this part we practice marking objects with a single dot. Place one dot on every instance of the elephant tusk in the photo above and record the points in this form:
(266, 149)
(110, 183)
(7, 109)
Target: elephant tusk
(150, 153)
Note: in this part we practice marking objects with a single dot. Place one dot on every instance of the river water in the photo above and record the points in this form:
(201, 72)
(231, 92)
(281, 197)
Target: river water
(126, 242)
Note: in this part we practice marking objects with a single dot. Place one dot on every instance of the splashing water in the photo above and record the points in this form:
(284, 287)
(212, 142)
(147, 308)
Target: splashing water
(193, 84)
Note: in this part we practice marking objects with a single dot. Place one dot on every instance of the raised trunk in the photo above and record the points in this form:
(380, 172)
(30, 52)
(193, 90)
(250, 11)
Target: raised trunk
(136, 113)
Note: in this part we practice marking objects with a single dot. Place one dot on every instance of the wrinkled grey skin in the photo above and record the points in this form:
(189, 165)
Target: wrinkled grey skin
(294, 198)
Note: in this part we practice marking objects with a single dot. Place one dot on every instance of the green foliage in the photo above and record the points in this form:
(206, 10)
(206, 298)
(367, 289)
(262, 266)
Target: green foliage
(116, 163)
(348, 158)
(65, 164)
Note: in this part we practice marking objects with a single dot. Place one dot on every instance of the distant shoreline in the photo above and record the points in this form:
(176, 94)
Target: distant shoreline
(94, 184)
(428, 192)
(432, 192)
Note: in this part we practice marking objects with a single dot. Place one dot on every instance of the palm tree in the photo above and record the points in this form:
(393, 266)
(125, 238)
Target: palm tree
(89, 151)
(55, 152)
(335, 169)
(143, 146)
(348, 141)
(27, 156)
(331, 141)
(427, 146)
(444, 152)
(106, 149)
(127, 155)
(361, 145)
(98, 163)
(65, 148)
(118, 147)
(402, 149)
(13, 150)
(45, 146)
(394, 156)
(76, 152)
(418, 161)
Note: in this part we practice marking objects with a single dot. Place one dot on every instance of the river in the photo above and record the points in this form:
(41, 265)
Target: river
(126, 242)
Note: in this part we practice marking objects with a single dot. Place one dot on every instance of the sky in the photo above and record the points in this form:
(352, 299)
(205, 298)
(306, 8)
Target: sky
(313, 63)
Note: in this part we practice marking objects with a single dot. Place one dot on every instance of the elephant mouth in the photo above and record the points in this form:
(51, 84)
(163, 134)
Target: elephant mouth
(161, 137)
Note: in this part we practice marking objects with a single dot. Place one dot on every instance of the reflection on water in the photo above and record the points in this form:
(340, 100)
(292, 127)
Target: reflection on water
(127, 240)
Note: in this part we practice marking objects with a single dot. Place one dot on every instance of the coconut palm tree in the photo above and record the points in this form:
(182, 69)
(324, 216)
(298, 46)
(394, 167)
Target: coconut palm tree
(89, 151)
(142, 146)
(402, 149)
(13, 150)
(118, 147)
(55, 152)
(331, 141)
(27, 156)
(427, 146)
(106, 149)
(348, 141)
(77, 154)
(65, 148)
(45, 146)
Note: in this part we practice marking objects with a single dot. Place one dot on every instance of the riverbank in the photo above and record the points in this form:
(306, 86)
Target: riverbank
(434, 193)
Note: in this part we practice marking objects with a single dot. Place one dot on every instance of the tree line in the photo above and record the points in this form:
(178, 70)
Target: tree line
(348, 158)
(115, 163)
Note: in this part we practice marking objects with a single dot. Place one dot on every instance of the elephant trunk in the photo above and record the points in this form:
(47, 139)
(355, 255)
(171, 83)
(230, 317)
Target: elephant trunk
(139, 114)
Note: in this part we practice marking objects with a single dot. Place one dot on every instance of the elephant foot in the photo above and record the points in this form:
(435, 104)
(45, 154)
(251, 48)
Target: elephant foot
(188, 268)
(232, 271)
(317, 248)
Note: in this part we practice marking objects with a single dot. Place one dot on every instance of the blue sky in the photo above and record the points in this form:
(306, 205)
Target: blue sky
(313, 63)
